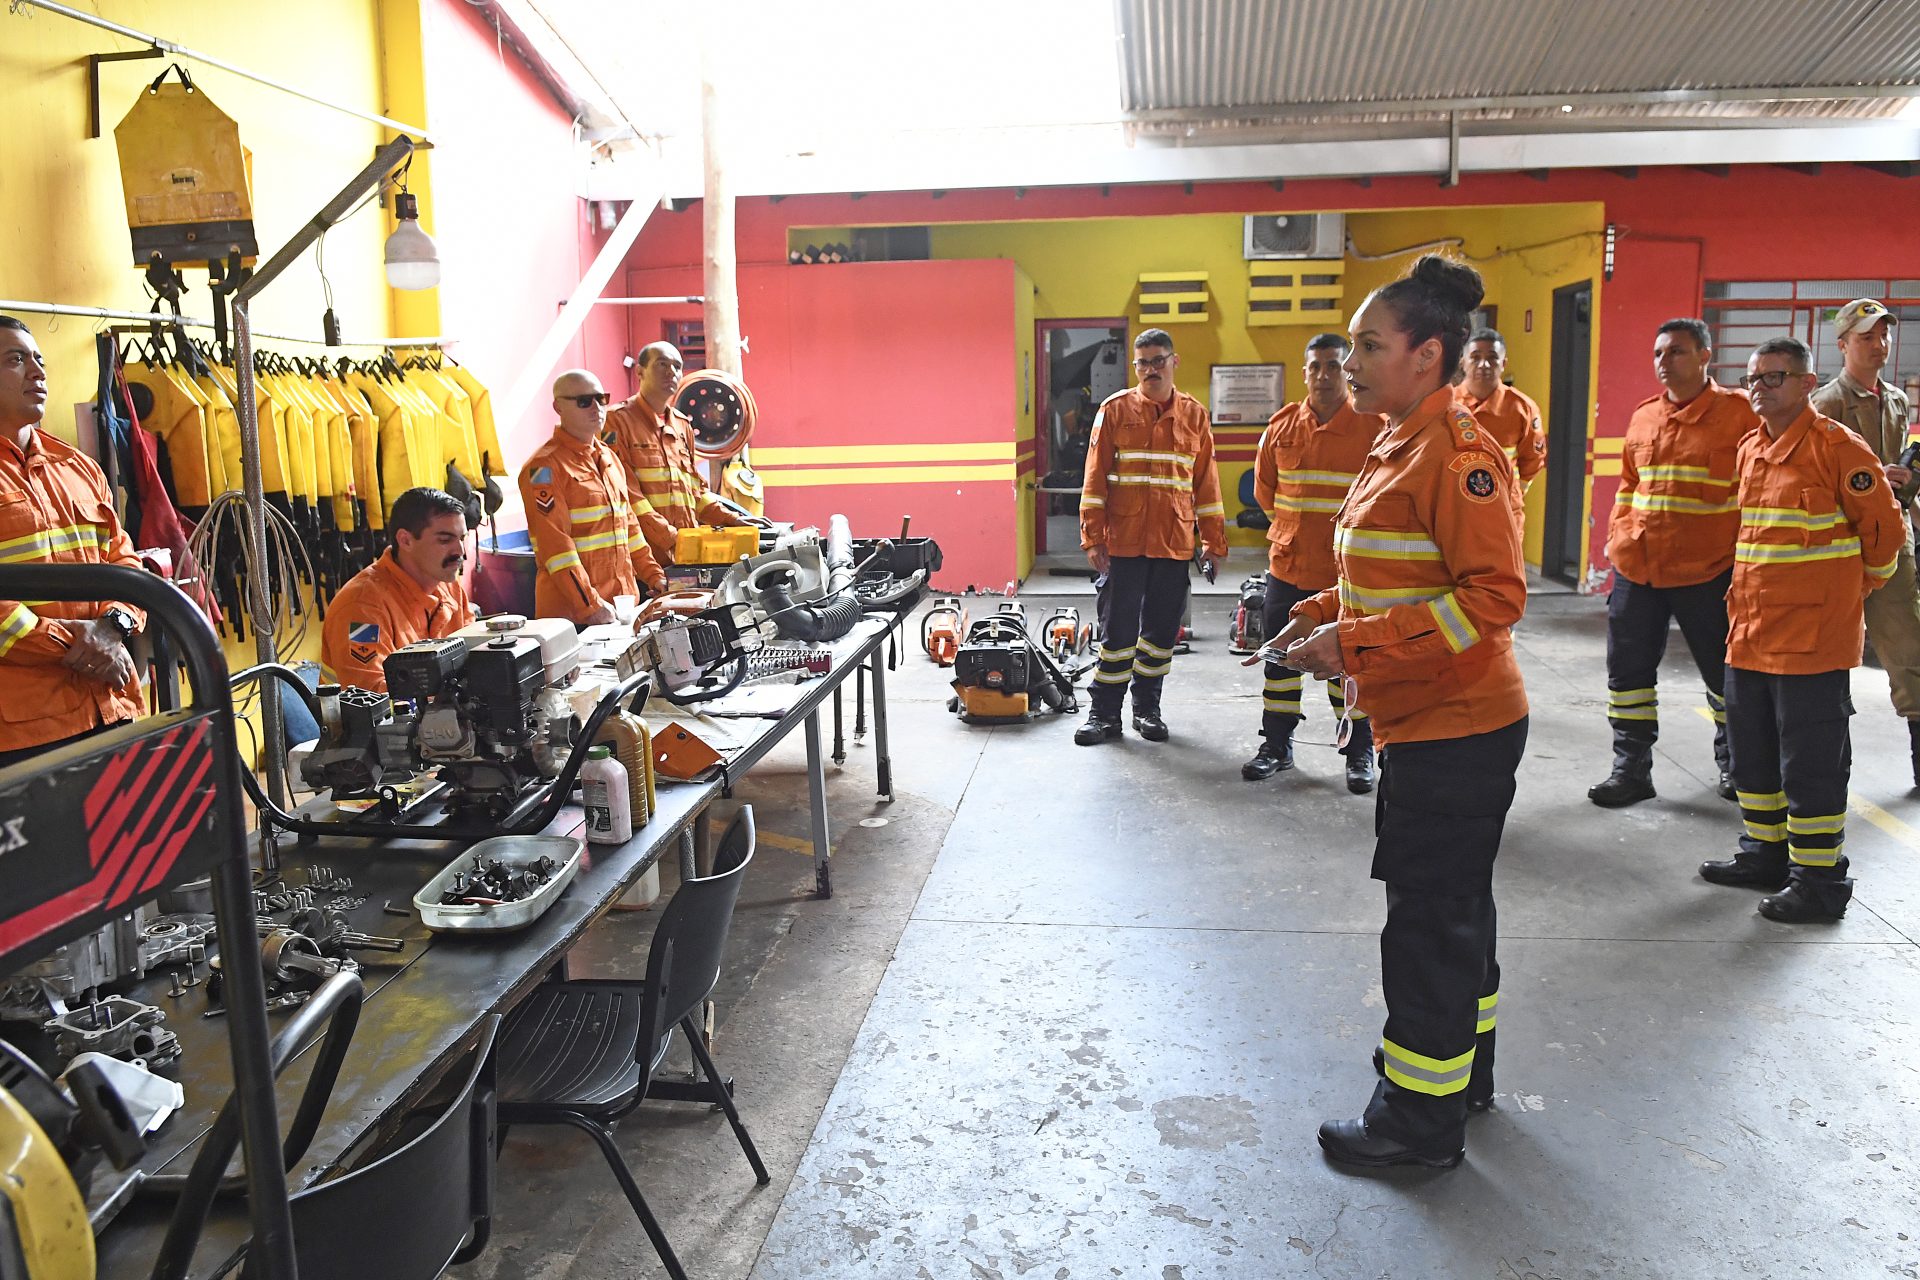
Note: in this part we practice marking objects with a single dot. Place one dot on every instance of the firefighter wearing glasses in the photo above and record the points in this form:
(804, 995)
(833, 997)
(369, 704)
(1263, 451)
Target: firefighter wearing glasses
(1819, 529)
(1876, 410)
(587, 543)
(1149, 478)
(654, 442)
(1307, 460)
(1671, 540)
(1430, 584)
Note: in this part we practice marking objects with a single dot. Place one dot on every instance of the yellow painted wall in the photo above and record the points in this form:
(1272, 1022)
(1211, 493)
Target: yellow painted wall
(1025, 410)
(63, 229)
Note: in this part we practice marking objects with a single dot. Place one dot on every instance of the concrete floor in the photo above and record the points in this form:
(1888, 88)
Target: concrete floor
(1077, 1013)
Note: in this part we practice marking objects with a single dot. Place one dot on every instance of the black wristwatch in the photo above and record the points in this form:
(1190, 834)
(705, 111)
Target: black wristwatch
(121, 621)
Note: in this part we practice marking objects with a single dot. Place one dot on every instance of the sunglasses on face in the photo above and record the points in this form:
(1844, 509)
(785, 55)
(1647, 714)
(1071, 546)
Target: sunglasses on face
(1774, 378)
(589, 400)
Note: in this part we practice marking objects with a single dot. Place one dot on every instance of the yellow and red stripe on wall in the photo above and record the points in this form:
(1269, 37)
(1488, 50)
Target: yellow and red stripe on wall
(795, 466)
(1237, 442)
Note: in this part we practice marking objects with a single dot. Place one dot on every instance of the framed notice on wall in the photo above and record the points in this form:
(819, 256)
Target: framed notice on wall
(1247, 393)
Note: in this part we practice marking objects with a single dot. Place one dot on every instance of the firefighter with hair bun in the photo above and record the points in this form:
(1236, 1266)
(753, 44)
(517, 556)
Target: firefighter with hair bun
(1430, 583)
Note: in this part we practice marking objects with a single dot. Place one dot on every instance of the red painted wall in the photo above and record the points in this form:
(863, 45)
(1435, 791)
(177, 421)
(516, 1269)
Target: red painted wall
(513, 237)
(878, 354)
(1677, 228)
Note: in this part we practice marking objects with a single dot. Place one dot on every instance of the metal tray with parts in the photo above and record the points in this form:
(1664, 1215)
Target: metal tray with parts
(518, 853)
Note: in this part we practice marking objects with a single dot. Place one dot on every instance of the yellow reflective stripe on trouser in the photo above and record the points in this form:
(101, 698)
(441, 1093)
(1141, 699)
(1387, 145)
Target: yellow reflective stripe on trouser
(565, 560)
(1152, 660)
(19, 621)
(1337, 698)
(1763, 814)
(1384, 546)
(1282, 695)
(1422, 1074)
(1716, 707)
(1116, 665)
(1762, 799)
(1633, 704)
(1455, 627)
(1489, 1011)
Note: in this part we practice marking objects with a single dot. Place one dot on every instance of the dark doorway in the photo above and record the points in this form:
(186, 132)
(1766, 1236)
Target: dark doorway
(1082, 362)
(1570, 394)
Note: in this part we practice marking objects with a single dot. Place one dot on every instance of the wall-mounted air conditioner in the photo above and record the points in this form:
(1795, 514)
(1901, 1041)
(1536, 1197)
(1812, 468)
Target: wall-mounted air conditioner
(1279, 236)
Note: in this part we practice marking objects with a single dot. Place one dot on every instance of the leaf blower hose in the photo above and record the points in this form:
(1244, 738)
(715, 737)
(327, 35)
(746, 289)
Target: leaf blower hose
(830, 617)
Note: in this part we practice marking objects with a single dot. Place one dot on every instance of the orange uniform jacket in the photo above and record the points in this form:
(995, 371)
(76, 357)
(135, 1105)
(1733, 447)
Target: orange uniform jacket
(586, 545)
(1149, 477)
(1300, 477)
(55, 509)
(1675, 518)
(663, 471)
(1513, 420)
(1431, 580)
(382, 609)
(1819, 529)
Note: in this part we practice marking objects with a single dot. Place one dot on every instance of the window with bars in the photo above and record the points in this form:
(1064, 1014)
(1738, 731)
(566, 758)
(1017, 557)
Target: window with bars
(691, 337)
(1744, 313)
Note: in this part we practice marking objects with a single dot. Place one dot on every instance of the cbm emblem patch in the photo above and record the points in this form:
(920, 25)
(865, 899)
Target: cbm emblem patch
(1860, 481)
(1479, 484)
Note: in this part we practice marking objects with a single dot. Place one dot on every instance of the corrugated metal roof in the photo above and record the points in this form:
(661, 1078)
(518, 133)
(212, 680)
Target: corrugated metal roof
(1215, 57)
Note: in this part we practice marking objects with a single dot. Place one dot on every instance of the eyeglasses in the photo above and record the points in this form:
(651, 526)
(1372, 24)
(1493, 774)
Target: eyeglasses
(590, 399)
(1155, 365)
(1772, 378)
(1349, 696)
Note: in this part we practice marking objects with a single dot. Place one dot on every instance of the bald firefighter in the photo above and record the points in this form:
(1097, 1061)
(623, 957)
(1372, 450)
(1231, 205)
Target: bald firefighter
(1819, 529)
(1150, 477)
(587, 544)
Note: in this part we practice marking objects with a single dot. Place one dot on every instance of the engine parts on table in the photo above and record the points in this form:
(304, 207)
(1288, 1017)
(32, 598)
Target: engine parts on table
(499, 885)
(1001, 676)
(116, 1026)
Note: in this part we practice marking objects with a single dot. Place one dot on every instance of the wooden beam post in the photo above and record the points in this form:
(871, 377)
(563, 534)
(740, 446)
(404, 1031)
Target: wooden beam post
(722, 311)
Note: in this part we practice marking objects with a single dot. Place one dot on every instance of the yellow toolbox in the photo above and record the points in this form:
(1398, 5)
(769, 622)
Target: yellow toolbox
(708, 544)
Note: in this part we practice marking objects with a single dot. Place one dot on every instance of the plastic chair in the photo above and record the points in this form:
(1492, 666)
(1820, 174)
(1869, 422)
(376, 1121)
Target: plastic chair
(584, 1052)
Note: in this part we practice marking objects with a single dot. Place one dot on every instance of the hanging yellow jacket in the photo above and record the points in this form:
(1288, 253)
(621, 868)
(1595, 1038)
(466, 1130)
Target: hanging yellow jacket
(398, 434)
(456, 421)
(331, 481)
(486, 436)
(331, 419)
(272, 428)
(431, 440)
(299, 437)
(363, 429)
(178, 419)
(225, 440)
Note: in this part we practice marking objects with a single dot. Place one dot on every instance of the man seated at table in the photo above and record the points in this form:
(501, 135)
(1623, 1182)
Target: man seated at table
(413, 592)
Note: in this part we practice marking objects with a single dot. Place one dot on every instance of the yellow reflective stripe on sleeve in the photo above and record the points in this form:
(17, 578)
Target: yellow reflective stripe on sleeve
(1090, 500)
(1288, 502)
(1829, 824)
(1883, 570)
(42, 543)
(565, 560)
(585, 515)
(1767, 553)
(1684, 475)
(1158, 482)
(1379, 599)
(1211, 509)
(19, 621)
(1338, 479)
(1455, 626)
(1384, 546)
(1676, 505)
(1790, 518)
(1422, 1074)
(1489, 1011)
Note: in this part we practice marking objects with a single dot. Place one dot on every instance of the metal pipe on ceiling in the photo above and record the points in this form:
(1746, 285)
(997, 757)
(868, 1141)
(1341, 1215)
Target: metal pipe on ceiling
(194, 55)
(194, 322)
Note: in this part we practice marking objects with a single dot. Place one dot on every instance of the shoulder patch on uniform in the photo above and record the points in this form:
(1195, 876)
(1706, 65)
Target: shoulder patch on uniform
(1478, 484)
(543, 499)
(363, 633)
(1861, 480)
(542, 475)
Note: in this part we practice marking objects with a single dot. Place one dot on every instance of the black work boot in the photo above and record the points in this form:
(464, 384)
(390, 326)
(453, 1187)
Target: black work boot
(1913, 736)
(1359, 753)
(1806, 900)
(1148, 724)
(1352, 1142)
(1272, 757)
(1631, 780)
(1724, 788)
(1748, 870)
(1096, 730)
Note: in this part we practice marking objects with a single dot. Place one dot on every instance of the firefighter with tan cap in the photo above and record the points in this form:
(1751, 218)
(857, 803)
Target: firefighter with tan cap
(1877, 411)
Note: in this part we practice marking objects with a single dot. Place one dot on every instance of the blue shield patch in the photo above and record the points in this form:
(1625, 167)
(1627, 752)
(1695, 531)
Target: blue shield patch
(543, 475)
(363, 633)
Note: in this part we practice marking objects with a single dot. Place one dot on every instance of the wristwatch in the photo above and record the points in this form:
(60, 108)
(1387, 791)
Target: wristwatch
(121, 620)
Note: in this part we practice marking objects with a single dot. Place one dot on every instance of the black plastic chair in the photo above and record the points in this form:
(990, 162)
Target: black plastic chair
(583, 1053)
(414, 1211)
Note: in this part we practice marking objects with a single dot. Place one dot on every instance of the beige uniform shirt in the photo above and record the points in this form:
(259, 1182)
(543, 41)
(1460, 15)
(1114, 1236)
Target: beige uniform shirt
(1880, 420)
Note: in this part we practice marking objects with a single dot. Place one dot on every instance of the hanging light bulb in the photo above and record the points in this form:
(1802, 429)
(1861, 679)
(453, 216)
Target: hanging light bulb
(412, 260)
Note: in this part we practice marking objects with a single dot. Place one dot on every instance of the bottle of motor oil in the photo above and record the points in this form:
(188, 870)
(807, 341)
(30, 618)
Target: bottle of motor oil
(603, 788)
